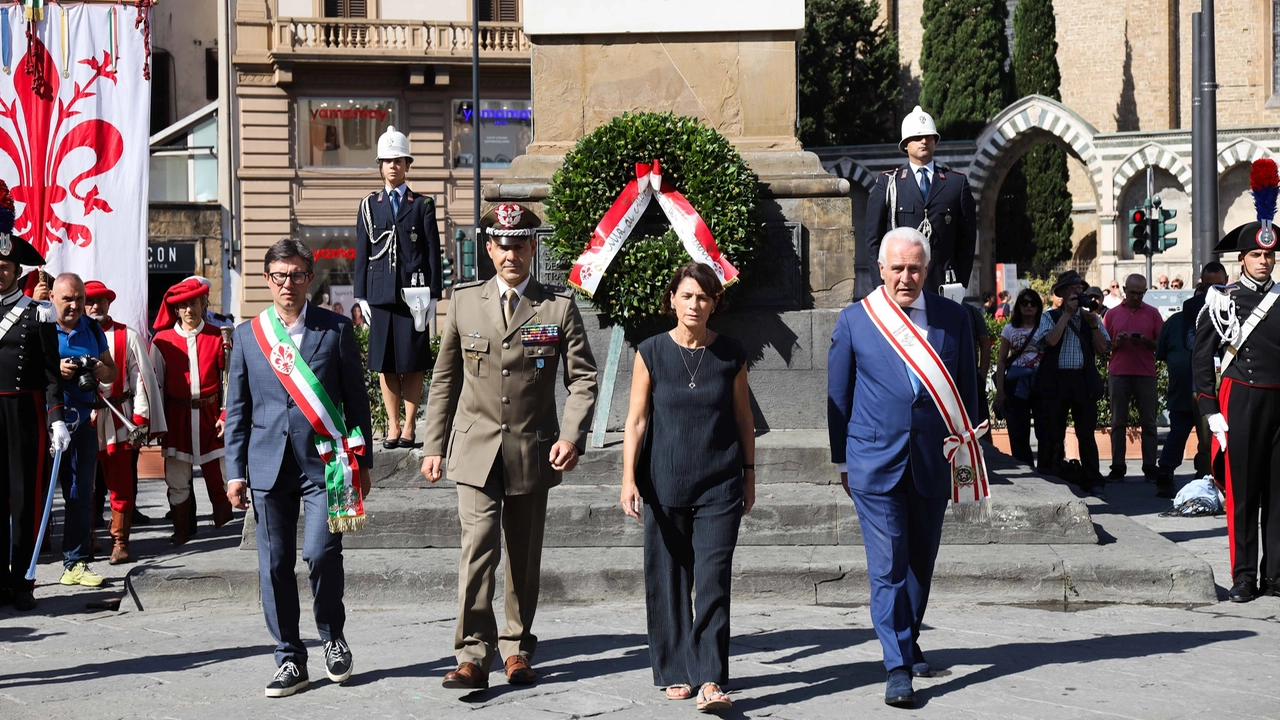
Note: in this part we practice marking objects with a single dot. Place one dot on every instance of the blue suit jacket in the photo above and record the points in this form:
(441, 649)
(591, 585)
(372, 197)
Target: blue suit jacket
(261, 416)
(876, 420)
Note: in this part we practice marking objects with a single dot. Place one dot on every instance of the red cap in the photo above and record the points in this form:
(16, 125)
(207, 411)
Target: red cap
(188, 289)
(95, 288)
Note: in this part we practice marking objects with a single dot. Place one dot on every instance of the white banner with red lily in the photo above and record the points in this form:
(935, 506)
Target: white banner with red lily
(621, 218)
(74, 143)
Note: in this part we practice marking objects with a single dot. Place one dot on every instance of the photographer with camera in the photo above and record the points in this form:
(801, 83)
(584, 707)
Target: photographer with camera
(1136, 327)
(1071, 335)
(86, 361)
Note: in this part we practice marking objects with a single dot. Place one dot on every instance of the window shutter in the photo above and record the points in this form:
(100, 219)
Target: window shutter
(507, 10)
(357, 9)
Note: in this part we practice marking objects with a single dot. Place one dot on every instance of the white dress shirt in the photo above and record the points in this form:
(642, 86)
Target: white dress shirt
(295, 333)
(915, 173)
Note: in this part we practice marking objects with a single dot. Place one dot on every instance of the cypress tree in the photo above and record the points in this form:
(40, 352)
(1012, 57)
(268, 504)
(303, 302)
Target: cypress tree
(848, 75)
(965, 65)
(1035, 71)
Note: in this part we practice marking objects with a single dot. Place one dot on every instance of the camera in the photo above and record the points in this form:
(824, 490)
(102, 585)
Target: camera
(84, 365)
(1090, 303)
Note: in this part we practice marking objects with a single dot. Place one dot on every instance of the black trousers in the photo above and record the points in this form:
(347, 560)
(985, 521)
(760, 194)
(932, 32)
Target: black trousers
(1253, 478)
(1071, 398)
(24, 458)
(688, 570)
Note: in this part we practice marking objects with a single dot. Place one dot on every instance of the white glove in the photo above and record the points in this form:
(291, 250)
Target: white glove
(59, 437)
(1218, 426)
(366, 312)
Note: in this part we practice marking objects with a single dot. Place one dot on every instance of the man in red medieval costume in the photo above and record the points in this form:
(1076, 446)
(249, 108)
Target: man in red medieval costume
(189, 356)
(136, 395)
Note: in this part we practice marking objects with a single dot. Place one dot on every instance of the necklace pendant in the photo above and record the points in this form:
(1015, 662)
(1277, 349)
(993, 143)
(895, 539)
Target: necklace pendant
(692, 384)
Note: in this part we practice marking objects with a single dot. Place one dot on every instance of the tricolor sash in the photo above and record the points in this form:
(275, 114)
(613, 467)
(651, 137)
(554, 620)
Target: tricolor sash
(338, 448)
(968, 467)
(621, 218)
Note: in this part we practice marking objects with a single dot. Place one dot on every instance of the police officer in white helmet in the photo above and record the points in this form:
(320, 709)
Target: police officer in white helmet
(928, 196)
(397, 263)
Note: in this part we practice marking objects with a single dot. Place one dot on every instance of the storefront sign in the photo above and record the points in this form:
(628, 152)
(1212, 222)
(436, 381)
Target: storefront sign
(171, 257)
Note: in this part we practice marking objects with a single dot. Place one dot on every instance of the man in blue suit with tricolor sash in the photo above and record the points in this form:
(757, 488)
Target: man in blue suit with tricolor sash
(902, 390)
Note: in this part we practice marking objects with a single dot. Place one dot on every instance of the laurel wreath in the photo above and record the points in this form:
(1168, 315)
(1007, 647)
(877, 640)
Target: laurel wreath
(697, 161)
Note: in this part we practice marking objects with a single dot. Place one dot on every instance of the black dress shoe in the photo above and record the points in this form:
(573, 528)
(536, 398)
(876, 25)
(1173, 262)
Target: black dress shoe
(391, 443)
(139, 518)
(1242, 592)
(1269, 587)
(23, 600)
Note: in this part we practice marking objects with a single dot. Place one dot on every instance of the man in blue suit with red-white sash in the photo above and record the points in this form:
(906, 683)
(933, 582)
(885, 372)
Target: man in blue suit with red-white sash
(902, 348)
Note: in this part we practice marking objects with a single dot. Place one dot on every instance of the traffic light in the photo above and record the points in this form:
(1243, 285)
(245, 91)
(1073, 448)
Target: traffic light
(446, 271)
(1138, 237)
(465, 251)
(1164, 232)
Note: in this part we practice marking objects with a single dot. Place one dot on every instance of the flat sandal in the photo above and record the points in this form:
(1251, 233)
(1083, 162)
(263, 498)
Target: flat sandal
(682, 691)
(714, 700)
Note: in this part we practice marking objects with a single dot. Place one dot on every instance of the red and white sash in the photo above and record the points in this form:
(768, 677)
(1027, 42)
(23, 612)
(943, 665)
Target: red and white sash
(621, 218)
(968, 468)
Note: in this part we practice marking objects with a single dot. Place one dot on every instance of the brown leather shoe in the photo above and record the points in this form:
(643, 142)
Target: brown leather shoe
(468, 676)
(519, 672)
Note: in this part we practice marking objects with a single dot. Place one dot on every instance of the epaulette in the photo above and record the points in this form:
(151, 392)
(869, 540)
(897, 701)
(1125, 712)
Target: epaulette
(45, 311)
(468, 284)
(561, 290)
(947, 169)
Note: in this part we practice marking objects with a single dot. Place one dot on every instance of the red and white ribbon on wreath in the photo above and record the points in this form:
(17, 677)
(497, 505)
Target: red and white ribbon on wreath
(616, 226)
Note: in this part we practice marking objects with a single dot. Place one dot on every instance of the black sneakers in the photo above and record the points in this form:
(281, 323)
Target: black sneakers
(290, 678)
(337, 660)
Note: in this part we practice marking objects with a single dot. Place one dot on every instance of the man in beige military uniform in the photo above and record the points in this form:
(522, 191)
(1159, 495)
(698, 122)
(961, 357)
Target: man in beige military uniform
(492, 408)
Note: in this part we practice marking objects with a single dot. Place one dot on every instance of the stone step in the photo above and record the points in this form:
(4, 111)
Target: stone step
(782, 456)
(1026, 509)
(1136, 566)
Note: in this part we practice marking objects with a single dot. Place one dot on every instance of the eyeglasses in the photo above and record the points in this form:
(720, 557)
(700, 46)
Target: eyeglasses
(296, 278)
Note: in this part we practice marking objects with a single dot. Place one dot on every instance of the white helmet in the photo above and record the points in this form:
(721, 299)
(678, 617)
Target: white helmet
(916, 124)
(393, 144)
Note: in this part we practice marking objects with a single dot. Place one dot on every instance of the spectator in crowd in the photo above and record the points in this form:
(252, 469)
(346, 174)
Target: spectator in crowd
(989, 302)
(1177, 339)
(1068, 382)
(1019, 356)
(982, 346)
(1096, 293)
(357, 315)
(1135, 327)
(1004, 308)
(1176, 283)
(689, 391)
(1113, 296)
(86, 361)
(1212, 274)
(1162, 283)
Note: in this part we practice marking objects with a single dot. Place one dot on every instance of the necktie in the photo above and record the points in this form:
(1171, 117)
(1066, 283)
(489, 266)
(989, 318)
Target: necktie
(509, 300)
(915, 381)
(395, 202)
(924, 182)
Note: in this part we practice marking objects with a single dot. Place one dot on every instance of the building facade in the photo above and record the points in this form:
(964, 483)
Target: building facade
(314, 83)
(1126, 105)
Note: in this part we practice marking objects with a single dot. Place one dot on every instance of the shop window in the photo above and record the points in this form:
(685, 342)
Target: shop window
(346, 9)
(506, 126)
(499, 10)
(342, 132)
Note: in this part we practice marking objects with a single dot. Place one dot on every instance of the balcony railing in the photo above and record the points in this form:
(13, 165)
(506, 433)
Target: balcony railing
(331, 37)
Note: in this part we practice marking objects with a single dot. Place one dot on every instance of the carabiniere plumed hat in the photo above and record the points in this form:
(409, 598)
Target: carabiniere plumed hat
(13, 248)
(1264, 181)
(509, 224)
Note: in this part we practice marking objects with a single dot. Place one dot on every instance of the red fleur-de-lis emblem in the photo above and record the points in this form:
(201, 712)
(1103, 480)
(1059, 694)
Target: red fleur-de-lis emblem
(39, 130)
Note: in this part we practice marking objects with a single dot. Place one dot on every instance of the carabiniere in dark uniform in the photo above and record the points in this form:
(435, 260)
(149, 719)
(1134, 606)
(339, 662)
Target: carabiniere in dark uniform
(30, 400)
(1247, 405)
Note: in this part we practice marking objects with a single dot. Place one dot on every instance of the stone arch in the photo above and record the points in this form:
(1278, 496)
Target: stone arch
(851, 170)
(1024, 124)
(1150, 155)
(1243, 150)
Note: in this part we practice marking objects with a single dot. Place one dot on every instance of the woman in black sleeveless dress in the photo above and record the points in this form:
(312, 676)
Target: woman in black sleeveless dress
(688, 456)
